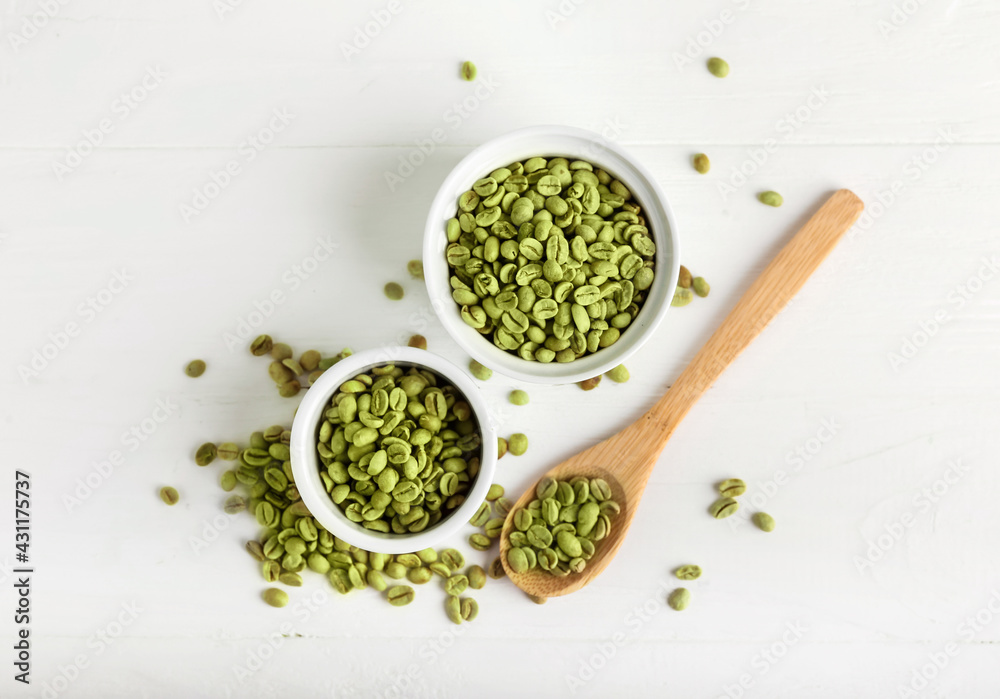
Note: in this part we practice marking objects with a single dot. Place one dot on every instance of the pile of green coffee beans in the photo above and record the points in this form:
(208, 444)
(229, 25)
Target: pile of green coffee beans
(292, 540)
(399, 449)
(727, 505)
(549, 259)
(688, 287)
(291, 375)
(558, 531)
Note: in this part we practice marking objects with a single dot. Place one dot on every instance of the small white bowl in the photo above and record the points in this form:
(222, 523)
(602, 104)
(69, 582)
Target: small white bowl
(552, 141)
(306, 463)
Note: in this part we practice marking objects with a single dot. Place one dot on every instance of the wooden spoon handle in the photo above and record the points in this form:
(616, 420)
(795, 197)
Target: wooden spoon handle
(772, 290)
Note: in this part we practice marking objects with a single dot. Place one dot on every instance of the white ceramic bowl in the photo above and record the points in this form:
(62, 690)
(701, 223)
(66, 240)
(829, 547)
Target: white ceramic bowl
(306, 464)
(572, 143)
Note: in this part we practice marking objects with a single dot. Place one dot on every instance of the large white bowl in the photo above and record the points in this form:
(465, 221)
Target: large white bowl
(306, 463)
(552, 141)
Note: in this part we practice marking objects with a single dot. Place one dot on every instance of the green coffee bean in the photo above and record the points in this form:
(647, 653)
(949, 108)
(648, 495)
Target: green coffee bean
(418, 341)
(771, 198)
(340, 580)
(723, 507)
(684, 278)
(396, 571)
(400, 595)
(169, 495)
(415, 268)
(275, 597)
(318, 563)
(427, 555)
(495, 491)
(456, 584)
(589, 384)
(476, 576)
(195, 368)
(289, 389)
(682, 297)
(228, 451)
(290, 579)
(453, 608)
(410, 560)
(501, 447)
(732, 488)
(468, 71)
(494, 527)
(261, 345)
(234, 505)
(503, 506)
(419, 576)
(255, 549)
(718, 67)
(441, 569)
(519, 397)
(700, 287)
(376, 581)
(764, 521)
(701, 163)
(281, 351)
(309, 360)
(470, 609)
(496, 569)
(480, 542)
(517, 444)
(482, 515)
(619, 374)
(479, 371)
(679, 599)
(393, 291)
(517, 559)
(688, 572)
(205, 454)
(537, 599)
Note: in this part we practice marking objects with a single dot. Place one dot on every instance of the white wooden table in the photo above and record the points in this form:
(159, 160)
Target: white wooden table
(235, 141)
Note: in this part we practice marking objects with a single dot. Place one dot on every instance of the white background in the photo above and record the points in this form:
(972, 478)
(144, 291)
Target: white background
(910, 101)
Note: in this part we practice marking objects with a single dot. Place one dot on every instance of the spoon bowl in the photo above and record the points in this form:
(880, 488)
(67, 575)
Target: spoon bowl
(626, 460)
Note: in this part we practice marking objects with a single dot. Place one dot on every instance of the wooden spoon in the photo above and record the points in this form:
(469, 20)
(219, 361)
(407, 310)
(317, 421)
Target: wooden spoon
(626, 459)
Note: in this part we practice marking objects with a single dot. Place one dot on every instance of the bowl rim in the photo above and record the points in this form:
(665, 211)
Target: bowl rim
(591, 146)
(305, 461)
